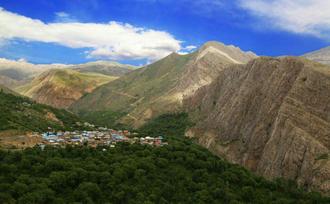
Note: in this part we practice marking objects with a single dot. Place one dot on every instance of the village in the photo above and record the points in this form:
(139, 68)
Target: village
(100, 137)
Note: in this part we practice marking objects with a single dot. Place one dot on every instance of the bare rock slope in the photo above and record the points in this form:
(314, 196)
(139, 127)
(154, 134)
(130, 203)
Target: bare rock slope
(321, 56)
(272, 116)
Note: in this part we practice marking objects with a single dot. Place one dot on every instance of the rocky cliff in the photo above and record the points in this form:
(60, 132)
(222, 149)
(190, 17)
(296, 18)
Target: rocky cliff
(272, 116)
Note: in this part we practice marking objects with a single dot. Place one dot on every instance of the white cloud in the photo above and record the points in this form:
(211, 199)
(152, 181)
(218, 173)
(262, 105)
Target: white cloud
(298, 16)
(111, 40)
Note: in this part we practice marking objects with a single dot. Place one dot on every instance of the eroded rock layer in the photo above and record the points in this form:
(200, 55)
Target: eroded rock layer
(272, 116)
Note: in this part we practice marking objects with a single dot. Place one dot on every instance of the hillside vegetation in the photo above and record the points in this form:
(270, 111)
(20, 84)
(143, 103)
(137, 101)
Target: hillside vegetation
(20, 113)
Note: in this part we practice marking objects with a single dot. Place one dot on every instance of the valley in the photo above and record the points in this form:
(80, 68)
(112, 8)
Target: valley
(165, 102)
(269, 115)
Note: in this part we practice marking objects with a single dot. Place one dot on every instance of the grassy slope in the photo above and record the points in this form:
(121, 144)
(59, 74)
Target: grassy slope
(20, 113)
(137, 91)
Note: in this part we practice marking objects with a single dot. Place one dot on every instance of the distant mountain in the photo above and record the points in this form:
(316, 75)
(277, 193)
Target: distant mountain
(271, 116)
(21, 114)
(61, 87)
(321, 56)
(104, 67)
(160, 87)
(15, 73)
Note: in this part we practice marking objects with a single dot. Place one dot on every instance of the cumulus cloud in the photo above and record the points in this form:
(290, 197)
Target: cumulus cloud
(113, 40)
(298, 16)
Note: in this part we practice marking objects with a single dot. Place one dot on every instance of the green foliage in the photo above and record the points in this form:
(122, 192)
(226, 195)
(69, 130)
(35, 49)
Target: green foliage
(20, 113)
(181, 172)
(104, 118)
(174, 124)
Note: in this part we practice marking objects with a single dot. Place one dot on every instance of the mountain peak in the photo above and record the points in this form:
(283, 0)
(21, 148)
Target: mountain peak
(229, 52)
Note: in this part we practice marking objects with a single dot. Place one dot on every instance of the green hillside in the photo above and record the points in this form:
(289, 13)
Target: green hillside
(137, 92)
(20, 113)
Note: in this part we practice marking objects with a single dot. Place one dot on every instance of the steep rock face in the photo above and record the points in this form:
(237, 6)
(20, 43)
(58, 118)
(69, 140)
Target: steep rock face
(61, 87)
(160, 87)
(272, 116)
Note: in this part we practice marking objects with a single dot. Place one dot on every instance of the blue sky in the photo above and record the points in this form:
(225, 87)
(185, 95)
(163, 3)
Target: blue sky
(141, 31)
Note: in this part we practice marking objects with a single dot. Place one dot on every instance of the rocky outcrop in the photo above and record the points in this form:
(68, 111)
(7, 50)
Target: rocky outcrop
(272, 116)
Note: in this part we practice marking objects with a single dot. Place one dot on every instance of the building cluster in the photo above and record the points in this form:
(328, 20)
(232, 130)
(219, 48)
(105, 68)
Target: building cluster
(102, 136)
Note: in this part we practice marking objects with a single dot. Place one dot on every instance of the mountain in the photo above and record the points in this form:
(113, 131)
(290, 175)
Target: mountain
(158, 88)
(321, 56)
(104, 67)
(61, 87)
(21, 114)
(271, 116)
(15, 73)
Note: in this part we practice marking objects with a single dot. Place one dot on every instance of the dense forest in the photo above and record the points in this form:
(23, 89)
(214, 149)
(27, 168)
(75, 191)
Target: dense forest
(21, 113)
(181, 172)
(178, 173)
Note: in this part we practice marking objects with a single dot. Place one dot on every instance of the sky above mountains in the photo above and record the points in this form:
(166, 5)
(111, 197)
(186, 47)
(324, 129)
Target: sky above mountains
(142, 31)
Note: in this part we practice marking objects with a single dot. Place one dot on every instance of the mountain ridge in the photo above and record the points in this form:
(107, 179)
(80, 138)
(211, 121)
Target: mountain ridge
(160, 87)
(17, 73)
(321, 56)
